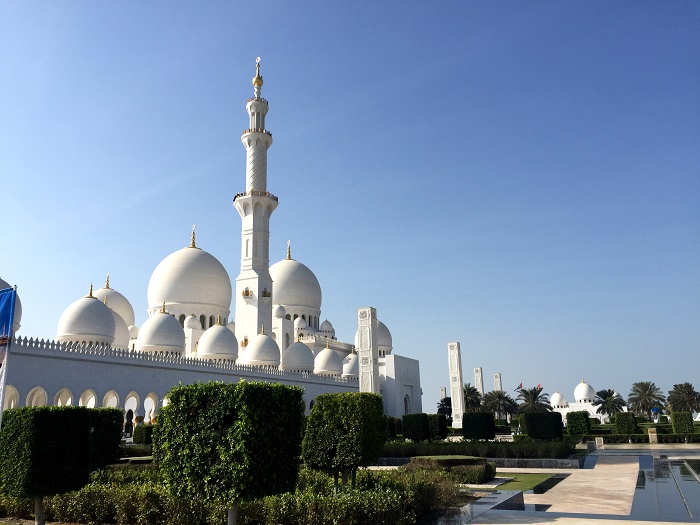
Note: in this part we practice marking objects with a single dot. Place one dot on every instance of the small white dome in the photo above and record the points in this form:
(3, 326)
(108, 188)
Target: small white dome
(133, 332)
(584, 393)
(295, 285)
(161, 333)
(192, 323)
(218, 342)
(86, 320)
(557, 400)
(116, 302)
(384, 340)
(298, 357)
(262, 351)
(326, 326)
(190, 276)
(278, 311)
(328, 363)
(300, 323)
(351, 366)
(121, 332)
(18, 308)
(232, 326)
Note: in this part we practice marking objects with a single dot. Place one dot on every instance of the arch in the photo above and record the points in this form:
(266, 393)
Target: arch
(286, 341)
(211, 321)
(288, 317)
(406, 404)
(11, 397)
(111, 399)
(303, 316)
(63, 398)
(132, 402)
(88, 399)
(182, 320)
(150, 407)
(311, 404)
(36, 397)
(203, 322)
(295, 317)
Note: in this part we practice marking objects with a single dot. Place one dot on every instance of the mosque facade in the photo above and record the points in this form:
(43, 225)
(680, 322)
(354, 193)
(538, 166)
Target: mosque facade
(584, 396)
(99, 357)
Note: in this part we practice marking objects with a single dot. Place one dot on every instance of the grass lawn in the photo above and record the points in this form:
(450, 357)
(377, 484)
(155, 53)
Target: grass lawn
(523, 481)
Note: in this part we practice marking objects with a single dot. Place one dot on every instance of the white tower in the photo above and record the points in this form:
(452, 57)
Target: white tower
(479, 380)
(497, 382)
(454, 359)
(255, 206)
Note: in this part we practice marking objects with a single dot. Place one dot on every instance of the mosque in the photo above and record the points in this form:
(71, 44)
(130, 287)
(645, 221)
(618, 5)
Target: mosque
(101, 358)
(584, 396)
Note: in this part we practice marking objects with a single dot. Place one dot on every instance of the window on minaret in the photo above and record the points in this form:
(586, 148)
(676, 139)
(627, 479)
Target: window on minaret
(203, 322)
(182, 320)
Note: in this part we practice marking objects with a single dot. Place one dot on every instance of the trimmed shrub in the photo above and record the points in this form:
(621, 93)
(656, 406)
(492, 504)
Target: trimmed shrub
(438, 426)
(544, 425)
(143, 435)
(626, 423)
(416, 427)
(478, 425)
(393, 427)
(483, 449)
(682, 423)
(446, 461)
(578, 423)
(105, 436)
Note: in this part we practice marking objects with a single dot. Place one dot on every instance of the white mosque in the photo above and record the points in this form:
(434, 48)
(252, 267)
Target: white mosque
(584, 396)
(101, 358)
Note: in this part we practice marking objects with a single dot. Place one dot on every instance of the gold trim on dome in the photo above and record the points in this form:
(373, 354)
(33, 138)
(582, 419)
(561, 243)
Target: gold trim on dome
(162, 308)
(262, 330)
(192, 243)
(289, 250)
(107, 281)
(90, 292)
(257, 79)
(218, 320)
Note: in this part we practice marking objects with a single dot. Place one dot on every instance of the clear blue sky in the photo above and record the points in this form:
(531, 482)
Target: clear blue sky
(521, 177)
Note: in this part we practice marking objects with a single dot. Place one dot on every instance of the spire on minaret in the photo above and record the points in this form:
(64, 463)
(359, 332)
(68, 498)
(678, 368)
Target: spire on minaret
(257, 79)
(289, 250)
(107, 282)
(192, 244)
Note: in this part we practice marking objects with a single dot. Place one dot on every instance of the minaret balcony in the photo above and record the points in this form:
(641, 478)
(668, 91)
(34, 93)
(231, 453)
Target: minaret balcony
(247, 294)
(256, 194)
(256, 130)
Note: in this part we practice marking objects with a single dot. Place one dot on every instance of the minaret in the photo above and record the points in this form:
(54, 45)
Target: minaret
(255, 205)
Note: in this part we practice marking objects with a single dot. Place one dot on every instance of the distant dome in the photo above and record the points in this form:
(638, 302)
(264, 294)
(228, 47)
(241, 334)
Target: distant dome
(557, 400)
(192, 323)
(298, 357)
(295, 285)
(351, 366)
(584, 393)
(161, 333)
(116, 302)
(326, 326)
(232, 326)
(262, 351)
(86, 320)
(218, 342)
(384, 340)
(18, 308)
(328, 363)
(190, 276)
(278, 311)
(300, 323)
(121, 332)
(133, 332)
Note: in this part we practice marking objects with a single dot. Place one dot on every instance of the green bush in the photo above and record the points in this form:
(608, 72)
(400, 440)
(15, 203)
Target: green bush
(626, 423)
(143, 434)
(478, 425)
(484, 449)
(416, 427)
(682, 423)
(438, 426)
(105, 436)
(446, 461)
(578, 423)
(543, 425)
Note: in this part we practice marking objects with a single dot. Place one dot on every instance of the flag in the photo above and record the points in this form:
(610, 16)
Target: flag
(539, 385)
(8, 296)
(519, 387)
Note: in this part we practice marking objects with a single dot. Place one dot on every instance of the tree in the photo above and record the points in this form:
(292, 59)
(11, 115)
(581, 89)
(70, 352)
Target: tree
(533, 400)
(229, 443)
(499, 403)
(609, 402)
(684, 398)
(645, 396)
(472, 398)
(344, 432)
(445, 407)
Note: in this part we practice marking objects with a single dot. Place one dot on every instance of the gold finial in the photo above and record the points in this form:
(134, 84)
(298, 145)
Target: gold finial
(105, 300)
(90, 292)
(257, 80)
(262, 330)
(192, 244)
(107, 282)
(327, 343)
(289, 250)
(218, 320)
(162, 308)
(353, 350)
(299, 338)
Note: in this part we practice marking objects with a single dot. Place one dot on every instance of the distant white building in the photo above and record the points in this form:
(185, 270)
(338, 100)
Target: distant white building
(584, 395)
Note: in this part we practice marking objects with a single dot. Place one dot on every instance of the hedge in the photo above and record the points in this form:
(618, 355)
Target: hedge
(416, 427)
(105, 436)
(143, 434)
(478, 425)
(438, 426)
(626, 423)
(483, 449)
(544, 425)
(577, 423)
(682, 423)
(393, 427)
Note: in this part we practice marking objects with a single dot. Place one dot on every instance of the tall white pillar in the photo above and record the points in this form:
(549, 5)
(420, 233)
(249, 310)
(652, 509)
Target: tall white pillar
(368, 352)
(497, 382)
(479, 380)
(454, 359)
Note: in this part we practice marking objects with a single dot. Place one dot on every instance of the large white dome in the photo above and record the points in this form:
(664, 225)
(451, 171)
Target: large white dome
(18, 308)
(328, 363)
(116, 302)
(121, 332)
(584, 393)
(262, 351)
(557, 400)
(190, 276)
(218, 342)
(298, 357)
(161, 333)
(295, 285)
(86, 320)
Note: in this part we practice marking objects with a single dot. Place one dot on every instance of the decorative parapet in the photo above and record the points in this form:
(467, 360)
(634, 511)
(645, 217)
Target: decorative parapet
(256, 194)
(105, 350)
(256, 130)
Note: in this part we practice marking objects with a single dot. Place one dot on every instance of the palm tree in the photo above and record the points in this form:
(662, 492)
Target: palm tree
(609, 402)
(684, 398)
(445, 407)
(472, 398)
(500, 403)
(644, 396)
(533, 400)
